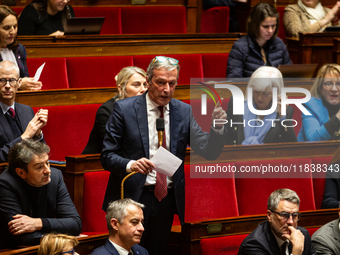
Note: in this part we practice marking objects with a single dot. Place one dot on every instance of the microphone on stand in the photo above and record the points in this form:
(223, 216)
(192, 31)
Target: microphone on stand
(160, 130)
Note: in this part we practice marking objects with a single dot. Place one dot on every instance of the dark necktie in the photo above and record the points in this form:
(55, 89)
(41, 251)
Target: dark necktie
(283, 248)
(161, 188)
(11, 112)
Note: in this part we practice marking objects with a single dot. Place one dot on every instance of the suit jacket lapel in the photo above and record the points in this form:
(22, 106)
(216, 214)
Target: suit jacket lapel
(273, 245)
(22, 117)
(109, 246)
(5, 126)
(142, 122)
(174, 122)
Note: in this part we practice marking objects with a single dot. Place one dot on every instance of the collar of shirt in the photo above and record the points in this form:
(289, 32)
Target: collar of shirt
(120, 249)
(5, 107)
(152, 106)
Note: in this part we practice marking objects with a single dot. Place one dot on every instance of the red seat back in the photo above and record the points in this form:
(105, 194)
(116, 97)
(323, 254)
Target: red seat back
(93, 219)
(89, 72)
(112, 16)
(153, 20)
(319, 179)
(215, 20)
(251, 202)
(68, 128)
(215, 65)
(208, 197)
(281, 33)
(54, 74)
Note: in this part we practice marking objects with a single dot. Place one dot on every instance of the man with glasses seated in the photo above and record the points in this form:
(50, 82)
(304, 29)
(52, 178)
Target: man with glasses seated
(17, 121)
(280, 234)
(131, 141)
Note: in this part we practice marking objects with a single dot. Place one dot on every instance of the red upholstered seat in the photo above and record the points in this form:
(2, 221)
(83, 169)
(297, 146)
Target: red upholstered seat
(190, 66)
(112, 24)
(209, 198)
(226, 245)
(54, 74)
(68, 129)
(94, 191)
(141, 20)
(89, 72)
(253, 193)
(297, 116)
(215, 20)
(215, 65)
(282, 33)
(319, 179)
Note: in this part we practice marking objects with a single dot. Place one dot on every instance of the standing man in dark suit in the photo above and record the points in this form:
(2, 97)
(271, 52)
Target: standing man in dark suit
(280, 233)
(131, 141)
(33, 198)
(17, 121)
(125, 224)
(326, 240)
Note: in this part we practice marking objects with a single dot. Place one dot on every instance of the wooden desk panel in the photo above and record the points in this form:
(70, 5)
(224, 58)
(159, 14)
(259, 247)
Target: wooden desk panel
(312, 48)
(73, 46)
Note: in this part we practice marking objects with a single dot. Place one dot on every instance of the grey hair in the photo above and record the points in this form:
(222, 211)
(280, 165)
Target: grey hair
(117, 210)
(158, 65)
(9, 65)
(21, 154)
(265, 77)
(282, 194)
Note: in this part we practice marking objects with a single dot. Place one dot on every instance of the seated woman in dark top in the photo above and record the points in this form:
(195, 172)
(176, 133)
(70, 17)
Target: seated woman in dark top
(130, 82)
(261, 46)
(250, 128)
(44, 17)
(13, 51)
(324, 106)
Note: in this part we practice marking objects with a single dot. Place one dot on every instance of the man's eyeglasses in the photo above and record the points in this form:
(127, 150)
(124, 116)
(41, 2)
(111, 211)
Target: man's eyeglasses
(12, 82)
(330, 84)
(163, 59)
(285, 215)
(69, 252)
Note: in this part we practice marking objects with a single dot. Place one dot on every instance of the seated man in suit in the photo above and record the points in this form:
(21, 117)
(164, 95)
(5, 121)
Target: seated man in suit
(280, 233)
(327, 239)
(17, 121)
(33, 198)
(125, 224)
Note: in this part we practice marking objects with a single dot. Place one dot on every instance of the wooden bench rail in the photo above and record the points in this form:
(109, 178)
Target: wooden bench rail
(118, 45)
(86, 245)
(100, 95)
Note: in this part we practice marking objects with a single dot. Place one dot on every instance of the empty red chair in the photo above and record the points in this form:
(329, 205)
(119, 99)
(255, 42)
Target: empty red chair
(111, 24)
(215, 65)
(209, 197)
(253, 193)
(93, 218)
(68, 129)
(154, 20)
(54, 74)
(215, 20)
(91, 72)
(319, 179)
